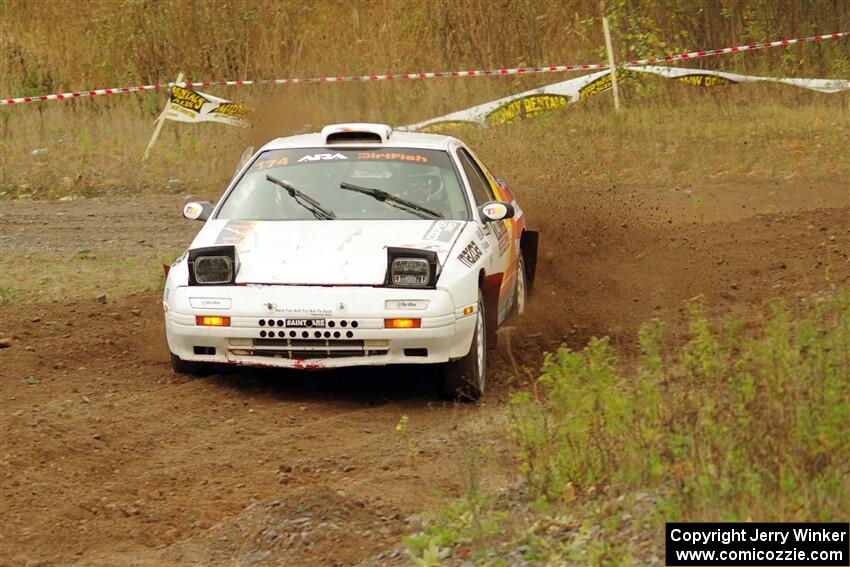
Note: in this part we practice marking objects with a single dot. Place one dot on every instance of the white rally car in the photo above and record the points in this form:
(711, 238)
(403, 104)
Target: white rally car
(355, 246)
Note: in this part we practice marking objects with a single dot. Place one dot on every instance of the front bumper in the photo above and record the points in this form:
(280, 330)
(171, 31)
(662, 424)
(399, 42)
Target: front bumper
(353, 333)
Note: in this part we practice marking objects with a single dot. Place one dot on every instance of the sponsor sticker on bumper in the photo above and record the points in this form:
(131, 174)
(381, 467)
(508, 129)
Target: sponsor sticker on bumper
(315, 323)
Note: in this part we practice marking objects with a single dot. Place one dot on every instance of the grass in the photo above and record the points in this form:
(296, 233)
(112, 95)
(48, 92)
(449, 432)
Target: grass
(6, 294)
(681, 134)
(47, 277)
(114, 42)
(93, 147)
(732, 425)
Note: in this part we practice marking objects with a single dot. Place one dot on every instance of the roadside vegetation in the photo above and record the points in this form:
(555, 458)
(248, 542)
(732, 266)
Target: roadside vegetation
(736, 423)
(82, 148)
(137, 41)
(669, 131)
(47, 276)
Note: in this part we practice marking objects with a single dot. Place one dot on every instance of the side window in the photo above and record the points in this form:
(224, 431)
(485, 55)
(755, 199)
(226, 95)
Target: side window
(478, 183)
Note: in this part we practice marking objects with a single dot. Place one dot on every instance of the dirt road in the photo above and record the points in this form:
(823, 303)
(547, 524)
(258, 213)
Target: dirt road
(109, 459)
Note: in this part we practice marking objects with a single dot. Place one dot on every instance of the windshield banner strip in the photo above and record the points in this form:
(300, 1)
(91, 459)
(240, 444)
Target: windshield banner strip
(301, 156)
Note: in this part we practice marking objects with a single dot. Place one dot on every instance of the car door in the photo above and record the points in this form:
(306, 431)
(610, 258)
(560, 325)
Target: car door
(497, 235)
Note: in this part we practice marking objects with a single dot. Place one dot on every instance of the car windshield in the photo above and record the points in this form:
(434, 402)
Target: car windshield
(392, 184)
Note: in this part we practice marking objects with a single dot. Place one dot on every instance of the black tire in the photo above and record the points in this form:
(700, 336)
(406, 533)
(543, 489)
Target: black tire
(464, 379)
(191, 368)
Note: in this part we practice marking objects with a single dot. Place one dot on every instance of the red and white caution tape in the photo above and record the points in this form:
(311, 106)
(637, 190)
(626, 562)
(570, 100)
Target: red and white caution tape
(405, 76)
(63, 96)
(333, 79)
(426, 75)
(739, 49)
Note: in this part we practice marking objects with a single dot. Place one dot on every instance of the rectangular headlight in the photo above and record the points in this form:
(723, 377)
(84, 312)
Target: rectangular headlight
(213, 265)
(213, 270)
(411, 268)
(413, 272)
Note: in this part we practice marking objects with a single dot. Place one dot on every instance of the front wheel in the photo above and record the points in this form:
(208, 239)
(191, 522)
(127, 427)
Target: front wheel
(521, 292)
(180, 366)
(464, 379)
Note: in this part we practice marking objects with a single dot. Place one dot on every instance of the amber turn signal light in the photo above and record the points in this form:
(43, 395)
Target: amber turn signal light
(402, 323)
(212, 321)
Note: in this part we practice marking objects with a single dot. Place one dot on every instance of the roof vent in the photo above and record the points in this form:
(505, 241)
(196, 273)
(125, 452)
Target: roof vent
(356, 133)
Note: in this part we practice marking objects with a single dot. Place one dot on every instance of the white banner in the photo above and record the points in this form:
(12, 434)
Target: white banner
(702, 78)
(533, 102)
(186, 105)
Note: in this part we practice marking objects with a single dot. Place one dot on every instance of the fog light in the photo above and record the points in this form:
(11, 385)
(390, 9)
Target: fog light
(402, 323)
(212, 321)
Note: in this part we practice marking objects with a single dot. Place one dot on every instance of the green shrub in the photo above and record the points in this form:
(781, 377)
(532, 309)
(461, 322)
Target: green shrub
(729, 427)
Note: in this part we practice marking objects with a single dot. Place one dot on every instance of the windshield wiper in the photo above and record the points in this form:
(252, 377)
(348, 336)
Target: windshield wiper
(304, 200)
(394, 201)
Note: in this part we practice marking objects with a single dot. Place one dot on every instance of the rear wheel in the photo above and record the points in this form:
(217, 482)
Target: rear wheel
(464, 379)
(180, 366)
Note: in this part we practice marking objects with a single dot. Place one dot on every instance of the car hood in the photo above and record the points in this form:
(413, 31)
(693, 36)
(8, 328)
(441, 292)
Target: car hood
(324, 252)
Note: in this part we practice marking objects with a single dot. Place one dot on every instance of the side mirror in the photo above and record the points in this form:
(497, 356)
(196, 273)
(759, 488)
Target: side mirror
(496, 211)
(198, 210)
